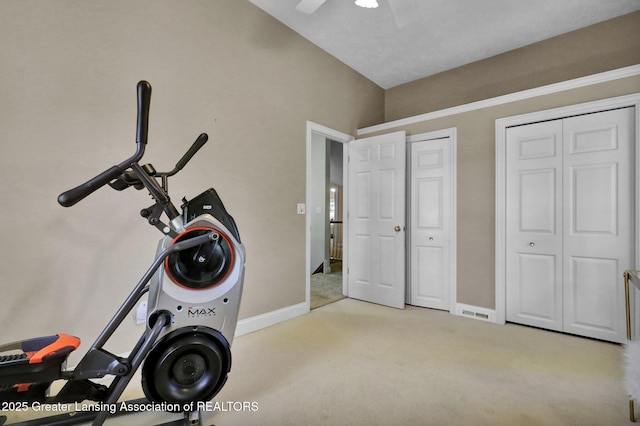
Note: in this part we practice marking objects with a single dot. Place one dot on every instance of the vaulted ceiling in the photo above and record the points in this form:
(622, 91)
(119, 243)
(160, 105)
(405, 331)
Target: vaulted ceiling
(435, 35)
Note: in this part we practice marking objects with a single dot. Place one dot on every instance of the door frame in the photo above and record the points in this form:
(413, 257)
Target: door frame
(319, 129)
(501, 125)
(452, 134)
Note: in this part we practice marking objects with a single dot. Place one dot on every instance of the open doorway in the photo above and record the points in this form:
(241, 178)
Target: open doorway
(325, 194)
(326, 225)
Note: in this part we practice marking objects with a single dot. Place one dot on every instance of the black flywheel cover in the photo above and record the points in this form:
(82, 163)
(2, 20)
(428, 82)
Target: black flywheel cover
(186, 366)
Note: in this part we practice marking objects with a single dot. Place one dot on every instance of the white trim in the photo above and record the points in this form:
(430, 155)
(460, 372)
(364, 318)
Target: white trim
(603, 77)
(345, 216)
(258, 322)
(475, 312)
(556, 113)
(338, 137)
(452, 134)
(635, 296)
(436, 134)
(328, 132)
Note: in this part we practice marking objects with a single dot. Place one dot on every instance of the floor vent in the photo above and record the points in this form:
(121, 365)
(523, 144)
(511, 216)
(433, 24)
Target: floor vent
(475, 312)
(475, 315)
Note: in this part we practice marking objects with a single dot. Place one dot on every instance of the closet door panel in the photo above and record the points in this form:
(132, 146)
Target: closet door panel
(598, 239)
(534, 225)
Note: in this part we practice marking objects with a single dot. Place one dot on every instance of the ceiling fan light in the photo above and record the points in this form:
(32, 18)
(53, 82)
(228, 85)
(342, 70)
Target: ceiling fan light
(367, 3)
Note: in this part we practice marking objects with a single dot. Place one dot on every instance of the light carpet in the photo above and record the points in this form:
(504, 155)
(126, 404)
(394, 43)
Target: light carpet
(325, 289)
(356, 363)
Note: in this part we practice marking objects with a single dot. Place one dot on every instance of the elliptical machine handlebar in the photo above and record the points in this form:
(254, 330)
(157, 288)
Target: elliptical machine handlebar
(72, 196)
(80, 192)
(144, 101)
(199, 143)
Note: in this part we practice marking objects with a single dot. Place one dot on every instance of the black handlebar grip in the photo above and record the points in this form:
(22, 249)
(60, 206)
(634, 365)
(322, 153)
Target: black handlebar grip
(144, 100)
(72, 196)
(200, 141)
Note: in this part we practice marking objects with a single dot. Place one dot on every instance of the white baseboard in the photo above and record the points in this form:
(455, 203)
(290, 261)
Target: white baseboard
(258, 322)
(249, 325)
(475, 312)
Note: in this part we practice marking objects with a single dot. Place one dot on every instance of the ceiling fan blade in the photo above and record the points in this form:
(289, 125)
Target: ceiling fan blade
(404, 12)
(309, 6)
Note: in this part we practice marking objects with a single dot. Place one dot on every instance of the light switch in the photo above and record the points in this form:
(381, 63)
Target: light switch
(301, 209)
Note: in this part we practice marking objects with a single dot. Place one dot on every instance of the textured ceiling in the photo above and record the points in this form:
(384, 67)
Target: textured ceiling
(445, 34)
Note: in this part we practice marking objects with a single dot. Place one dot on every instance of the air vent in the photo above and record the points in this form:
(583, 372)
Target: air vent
(475, 315)
(475, 312)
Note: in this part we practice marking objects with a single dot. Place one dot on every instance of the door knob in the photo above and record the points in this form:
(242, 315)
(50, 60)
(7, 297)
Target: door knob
(430, 238)
(532, 244)
(397, 228)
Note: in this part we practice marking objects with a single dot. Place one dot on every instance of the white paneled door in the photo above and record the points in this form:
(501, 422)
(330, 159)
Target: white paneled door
(376, 219)
(430, 223)
(534, 224)
(570, 213)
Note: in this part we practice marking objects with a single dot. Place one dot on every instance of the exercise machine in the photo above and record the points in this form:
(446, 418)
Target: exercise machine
(193, 288)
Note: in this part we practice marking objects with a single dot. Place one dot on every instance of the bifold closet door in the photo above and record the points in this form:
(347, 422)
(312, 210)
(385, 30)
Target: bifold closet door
(598, 221)
(570, 212)
(534, 225)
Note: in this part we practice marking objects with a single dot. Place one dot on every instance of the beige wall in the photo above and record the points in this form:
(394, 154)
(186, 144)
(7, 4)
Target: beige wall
(476, 179)
(605, 46)
(68, 71)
